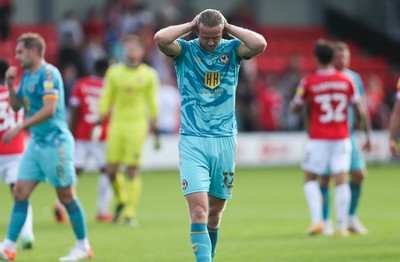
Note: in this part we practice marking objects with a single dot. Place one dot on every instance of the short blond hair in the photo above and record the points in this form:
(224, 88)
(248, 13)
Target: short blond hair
(33, 40)
(210, 18)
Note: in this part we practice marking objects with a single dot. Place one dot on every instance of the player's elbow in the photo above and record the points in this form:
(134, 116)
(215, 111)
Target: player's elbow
(163, 40)
(262, 45)
(259, 45)
(159, 39)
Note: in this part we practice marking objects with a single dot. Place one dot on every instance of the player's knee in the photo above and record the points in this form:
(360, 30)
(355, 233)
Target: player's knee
(78, 171)
(20, 193)
(112, 171)
(198, 213)
(308, 176)
(65, 195)
(357, 177)
(214, 218)
(340, 179)
(65, 200)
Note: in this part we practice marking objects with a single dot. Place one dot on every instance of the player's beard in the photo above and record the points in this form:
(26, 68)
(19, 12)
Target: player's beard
(26, 64)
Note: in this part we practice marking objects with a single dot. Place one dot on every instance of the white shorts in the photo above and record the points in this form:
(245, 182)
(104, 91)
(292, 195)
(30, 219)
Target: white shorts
(322, 155)
(9, 165)
(85, 150)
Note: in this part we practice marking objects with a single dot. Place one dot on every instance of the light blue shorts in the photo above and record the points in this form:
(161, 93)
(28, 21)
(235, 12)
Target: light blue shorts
(357, 158)
(54, 162)
(207, 165)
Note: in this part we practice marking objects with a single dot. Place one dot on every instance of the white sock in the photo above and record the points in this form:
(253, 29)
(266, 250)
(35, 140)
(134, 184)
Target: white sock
(342, 205)
(104, 194)
(314, 201)
(10, 245)
(27, 229)
(83, 243)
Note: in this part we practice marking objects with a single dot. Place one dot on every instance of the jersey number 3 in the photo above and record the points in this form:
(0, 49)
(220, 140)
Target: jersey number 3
(8, 119)
(92, 115)
(331, 113)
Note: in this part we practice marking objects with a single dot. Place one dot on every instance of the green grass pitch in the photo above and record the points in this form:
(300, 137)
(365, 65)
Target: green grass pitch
(264, 221)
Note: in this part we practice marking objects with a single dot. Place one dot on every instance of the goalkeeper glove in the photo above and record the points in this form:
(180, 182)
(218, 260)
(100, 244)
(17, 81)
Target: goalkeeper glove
(156, 141)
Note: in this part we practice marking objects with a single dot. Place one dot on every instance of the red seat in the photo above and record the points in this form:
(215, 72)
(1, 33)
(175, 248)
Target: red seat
(7, 48)
(45, 30)
(307, 64)
(271, 63)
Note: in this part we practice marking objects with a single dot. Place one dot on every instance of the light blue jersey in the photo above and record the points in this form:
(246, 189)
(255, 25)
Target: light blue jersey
(357, 158)
(207, 84)
(49, 155)
(33, 89)
(358, 83)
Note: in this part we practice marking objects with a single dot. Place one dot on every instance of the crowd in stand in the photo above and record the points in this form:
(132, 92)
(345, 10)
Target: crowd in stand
(262, 98)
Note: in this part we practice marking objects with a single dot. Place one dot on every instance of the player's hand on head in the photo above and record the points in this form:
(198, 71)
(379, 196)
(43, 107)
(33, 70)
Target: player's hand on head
(225, 21)
(194, 22)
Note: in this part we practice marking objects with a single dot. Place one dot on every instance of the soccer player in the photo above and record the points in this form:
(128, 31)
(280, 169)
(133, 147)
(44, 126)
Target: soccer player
(130, 97)
(207, 70)
(10, 154)
(327, 94)
(49, 153)
(84, 115)
(394, 126)
(341, 62)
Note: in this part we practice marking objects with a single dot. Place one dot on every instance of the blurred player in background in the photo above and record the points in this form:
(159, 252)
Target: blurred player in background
(130, 97)
(394, 127)
(10, 154)
(341, 62)
(84, 115)
(327, 95)
(49, 155)
(207, 70)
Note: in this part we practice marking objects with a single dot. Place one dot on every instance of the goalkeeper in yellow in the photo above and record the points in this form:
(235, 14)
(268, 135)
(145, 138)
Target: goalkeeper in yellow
(130, 97)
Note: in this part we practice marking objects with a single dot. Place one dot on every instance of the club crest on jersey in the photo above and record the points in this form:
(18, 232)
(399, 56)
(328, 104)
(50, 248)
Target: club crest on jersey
(212, 79)
(224, 59)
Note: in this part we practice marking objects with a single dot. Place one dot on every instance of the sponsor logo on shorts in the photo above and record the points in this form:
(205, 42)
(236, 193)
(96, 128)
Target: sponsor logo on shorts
(184, 184)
